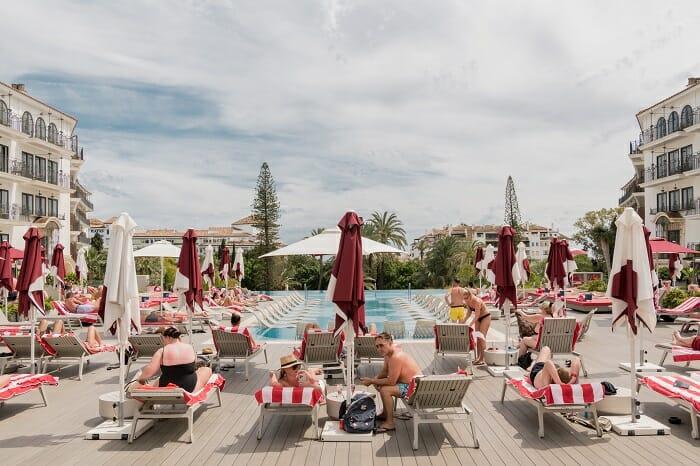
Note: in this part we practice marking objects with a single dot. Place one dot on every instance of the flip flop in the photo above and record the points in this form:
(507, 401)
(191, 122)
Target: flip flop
(384, 430)
(404, 416)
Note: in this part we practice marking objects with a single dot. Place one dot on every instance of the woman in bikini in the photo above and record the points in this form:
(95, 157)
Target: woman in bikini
(482, 322)
(546, 310)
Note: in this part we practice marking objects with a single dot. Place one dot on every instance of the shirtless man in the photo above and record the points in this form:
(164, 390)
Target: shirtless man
(482, 322)
(399, 369)
(455, 299)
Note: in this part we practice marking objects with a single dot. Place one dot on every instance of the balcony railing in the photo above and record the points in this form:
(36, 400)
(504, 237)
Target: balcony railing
(655, 172)
(81, 193)
(630, 188)
(14, 121)
(9, 211)
(691, 208)
(650, 134)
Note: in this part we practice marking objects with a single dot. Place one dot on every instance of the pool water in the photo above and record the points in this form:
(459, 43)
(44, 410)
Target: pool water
(380, 306)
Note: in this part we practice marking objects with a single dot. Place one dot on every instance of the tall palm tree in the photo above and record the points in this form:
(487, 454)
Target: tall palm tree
(444, 260)
(388, 229)
(422, 246)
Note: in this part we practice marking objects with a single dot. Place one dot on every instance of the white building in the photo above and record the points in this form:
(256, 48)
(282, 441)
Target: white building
(39, 162)
(666, 161)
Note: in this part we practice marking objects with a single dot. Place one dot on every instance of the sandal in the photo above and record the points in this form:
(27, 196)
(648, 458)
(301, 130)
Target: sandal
(384, 430)
(404, 416)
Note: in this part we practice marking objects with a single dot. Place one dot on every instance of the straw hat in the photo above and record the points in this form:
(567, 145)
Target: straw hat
(288, 361)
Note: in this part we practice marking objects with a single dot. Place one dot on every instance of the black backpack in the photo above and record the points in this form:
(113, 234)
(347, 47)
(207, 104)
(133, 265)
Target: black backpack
(359, 417)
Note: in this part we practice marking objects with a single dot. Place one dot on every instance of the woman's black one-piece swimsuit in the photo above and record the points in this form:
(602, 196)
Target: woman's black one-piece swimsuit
(182, 375)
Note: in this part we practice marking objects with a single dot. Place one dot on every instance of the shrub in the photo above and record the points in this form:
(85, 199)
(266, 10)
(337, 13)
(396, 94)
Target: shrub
(673, 298)
(595, 285)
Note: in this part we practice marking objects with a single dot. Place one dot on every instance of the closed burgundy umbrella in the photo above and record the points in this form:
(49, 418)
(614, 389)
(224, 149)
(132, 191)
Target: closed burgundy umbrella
(30, 283)
(225, 266)
(58, 266)
(674, 267)
(347, 287)
(478, 263)
(554, 270)
(507, 279)
(188, 278)
(568, 259)
(6, 278)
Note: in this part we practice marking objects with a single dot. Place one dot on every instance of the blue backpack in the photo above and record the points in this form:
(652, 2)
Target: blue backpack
(360, 416)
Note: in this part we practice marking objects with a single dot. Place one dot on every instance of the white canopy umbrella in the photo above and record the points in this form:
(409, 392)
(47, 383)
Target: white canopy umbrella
(326, 244)
(238, 268)
(206, 264)
(489, 256)
(81, 265)
(160, 249)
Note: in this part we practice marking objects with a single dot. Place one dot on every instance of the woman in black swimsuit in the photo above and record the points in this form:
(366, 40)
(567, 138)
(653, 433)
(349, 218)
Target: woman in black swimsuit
(482, 322)
(176, 362)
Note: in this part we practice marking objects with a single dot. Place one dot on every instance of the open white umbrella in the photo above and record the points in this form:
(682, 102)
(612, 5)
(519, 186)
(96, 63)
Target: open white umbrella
(238, 266)
(489, 257)
(160, 249)
(81, 267)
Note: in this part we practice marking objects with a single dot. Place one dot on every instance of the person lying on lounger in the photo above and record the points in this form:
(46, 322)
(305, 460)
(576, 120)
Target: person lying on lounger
(692, 342)
(73, 304)
(546, 310)
(176, 363)
(93, 339)
(393, 380)
(544, 372)
(291, 374)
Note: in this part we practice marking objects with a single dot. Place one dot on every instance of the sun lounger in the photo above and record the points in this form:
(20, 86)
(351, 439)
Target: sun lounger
(586, 324)
(144, 346)
(679, 353)
(439, 399)
(555, 397)
(365, 349)
(24, 383)
(561, 335)
(289, 401)
(172, 402)
(687, 398)
(425, 328)
(454, 339)
(20, 347)
(687, 307)
(236, 343)
(301, 328)
(396, 329)
(320, 348)
(68, 348)
(84, 319)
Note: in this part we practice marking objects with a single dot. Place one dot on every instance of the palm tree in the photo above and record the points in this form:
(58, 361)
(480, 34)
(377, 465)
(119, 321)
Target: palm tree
(422, 246)
(316, 231)
(444, 260)
(388, 229)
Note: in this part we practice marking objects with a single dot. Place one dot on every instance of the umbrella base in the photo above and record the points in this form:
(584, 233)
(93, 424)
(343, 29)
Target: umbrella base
(623, 425)
(333, 433)
(110, 430)
(646, 367)
(498, 371)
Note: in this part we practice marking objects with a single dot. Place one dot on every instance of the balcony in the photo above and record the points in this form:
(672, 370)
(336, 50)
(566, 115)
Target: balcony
(58, 138)
(630, 188)
(691, 208)
(8, 211)
(655, 172)
(691, 122)
(81, 193)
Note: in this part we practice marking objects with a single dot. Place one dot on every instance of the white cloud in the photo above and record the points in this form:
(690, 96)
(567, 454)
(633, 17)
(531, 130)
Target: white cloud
(415, 106)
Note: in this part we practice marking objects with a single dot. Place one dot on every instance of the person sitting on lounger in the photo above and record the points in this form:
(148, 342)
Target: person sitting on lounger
(482, 322)
(176, 362)
(544, 372)
(393, 380)
(93, 339)
(546, 310)
(292, 375)
(692, 342)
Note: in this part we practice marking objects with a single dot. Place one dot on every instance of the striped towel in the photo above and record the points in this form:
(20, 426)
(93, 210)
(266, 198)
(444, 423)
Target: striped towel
(560, 394)
(308, 396)
(242, 331)
(13, 330)
(682, 354)
(22, 383)
(216, 380)
(663, 384)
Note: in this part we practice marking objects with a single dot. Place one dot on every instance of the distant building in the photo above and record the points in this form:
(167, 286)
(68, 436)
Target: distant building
(535, 237)
(100, 227)
(39, 163)
(666, 163)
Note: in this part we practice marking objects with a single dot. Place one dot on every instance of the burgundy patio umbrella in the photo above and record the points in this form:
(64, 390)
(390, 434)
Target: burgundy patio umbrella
(188, 278)
(554, 270)
(674, 267)
(30, 283)
(347, 287)
(478, 259)
(58, 266)
(208, 266)
(662, 246)
(6, 278)
(225, 265)
(568, 259)
(507, 278)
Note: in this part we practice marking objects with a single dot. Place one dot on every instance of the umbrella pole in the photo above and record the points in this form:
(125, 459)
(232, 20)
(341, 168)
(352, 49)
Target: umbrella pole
(121, 373)
(506, 308)
(33, 337)
(350, 361)
(320, 271)
(162, 289)
(633, 375)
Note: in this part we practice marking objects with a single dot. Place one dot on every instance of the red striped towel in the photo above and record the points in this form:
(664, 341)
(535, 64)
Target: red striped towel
(663, 384)
(216, 380)
(682, 354)
(47, 349)
(564, 394)
(308, 396)
(22, 383)
(13, 330)
(243, 331)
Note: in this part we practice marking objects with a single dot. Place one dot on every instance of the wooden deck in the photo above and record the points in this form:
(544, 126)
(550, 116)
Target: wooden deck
(226, 435)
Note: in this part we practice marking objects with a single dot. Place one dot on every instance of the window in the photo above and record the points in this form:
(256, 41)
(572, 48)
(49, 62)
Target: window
(661, 202)
(687, 158)
(674, 235)
(4, 114)
(40, 206)
(27, 204)
(660, 128)
(4, 159)
(27, 165)
(53, 207)
(687, 198)
(4, 237)
(40, 129)
(673, 122)
(674, 200)
(661, 166)
(686, 116)
(40, 168)
(52, 172)
(674, 162)
(27, 124)
(53, 134)
(4, 203)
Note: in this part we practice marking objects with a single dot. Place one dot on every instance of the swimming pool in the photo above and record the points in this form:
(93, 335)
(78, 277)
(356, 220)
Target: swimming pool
(380, 306)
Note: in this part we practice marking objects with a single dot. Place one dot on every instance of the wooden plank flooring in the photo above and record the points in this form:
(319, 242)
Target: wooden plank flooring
(30, 434)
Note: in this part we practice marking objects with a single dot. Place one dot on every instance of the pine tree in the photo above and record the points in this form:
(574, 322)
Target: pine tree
(266, 215)
(512, 210)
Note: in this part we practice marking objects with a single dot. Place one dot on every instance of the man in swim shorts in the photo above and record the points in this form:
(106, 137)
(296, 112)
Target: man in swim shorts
(455, 299)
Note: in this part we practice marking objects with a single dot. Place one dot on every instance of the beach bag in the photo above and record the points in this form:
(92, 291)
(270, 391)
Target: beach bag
(525, 360)
(609, 388)
(360, 416)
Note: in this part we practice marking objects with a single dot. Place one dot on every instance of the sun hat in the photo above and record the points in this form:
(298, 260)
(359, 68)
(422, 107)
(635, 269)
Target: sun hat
(288, 360)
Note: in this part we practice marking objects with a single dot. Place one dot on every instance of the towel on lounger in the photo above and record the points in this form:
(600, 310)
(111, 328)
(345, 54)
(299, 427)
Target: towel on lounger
(215, 381)
(308, 396)
(682, 354)
(22, 383)
(560, 394)
(663, 384)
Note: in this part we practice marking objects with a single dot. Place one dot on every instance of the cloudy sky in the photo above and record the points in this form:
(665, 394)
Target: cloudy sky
(419, 107)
